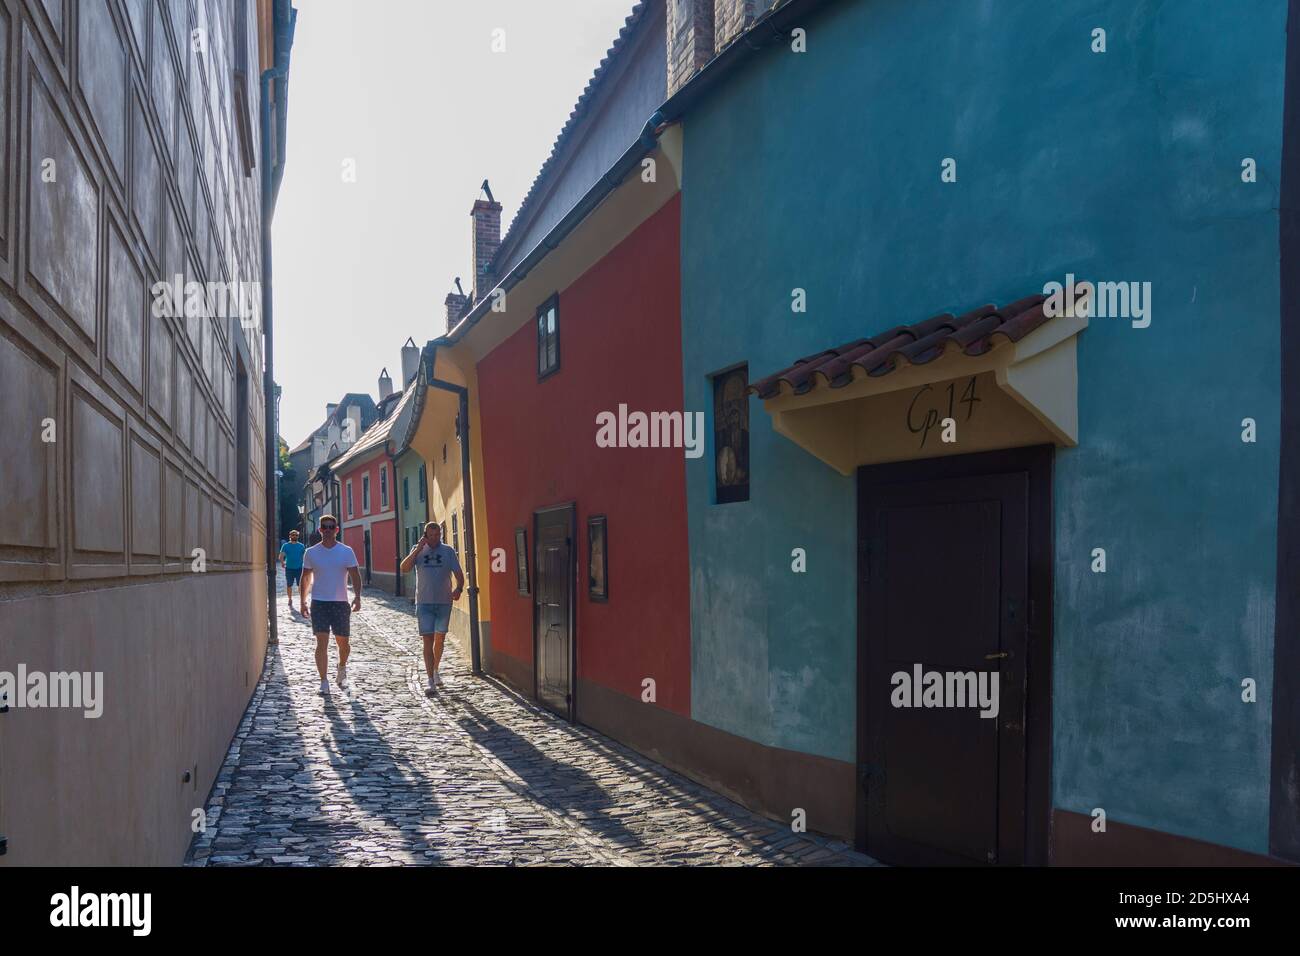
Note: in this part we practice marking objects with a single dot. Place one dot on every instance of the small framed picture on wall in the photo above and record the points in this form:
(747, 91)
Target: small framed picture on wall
(521, 558)
(597, 559)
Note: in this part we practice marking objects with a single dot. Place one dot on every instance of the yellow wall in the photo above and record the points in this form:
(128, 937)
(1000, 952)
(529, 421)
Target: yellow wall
(437, 427)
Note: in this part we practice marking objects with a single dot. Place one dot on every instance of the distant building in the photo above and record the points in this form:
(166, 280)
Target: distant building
(366, 477)
(345, 422)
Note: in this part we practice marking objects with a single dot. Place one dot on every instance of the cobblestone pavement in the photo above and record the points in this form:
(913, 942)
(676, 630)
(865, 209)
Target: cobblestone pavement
(380, 775)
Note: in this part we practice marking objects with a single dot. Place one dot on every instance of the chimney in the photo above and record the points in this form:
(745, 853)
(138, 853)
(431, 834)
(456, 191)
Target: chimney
(385, 385)
(455, 302)
(486, 215)
(410, 362)
(690, 39)
(731, 18)
(330, 409)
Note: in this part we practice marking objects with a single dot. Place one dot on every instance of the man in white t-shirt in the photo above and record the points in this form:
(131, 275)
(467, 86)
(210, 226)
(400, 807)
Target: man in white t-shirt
(326, 569)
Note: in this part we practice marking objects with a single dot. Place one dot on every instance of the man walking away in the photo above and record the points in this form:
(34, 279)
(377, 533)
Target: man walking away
(291, 557)
(436, 564)
(327, 568)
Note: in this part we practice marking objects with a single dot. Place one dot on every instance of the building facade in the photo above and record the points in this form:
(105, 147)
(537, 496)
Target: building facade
(136, 476)
(1076, 528)
(929, 445)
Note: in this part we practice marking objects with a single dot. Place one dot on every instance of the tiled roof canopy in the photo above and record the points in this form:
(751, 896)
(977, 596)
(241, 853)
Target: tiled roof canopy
(974, 333)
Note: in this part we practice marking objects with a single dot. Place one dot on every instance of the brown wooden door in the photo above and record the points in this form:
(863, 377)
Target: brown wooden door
(944, 584)
(553, 595)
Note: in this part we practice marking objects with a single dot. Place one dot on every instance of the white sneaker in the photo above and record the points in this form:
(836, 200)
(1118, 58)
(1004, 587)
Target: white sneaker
(343, 675)
(431, 690)
(324, 687)
(437, 678)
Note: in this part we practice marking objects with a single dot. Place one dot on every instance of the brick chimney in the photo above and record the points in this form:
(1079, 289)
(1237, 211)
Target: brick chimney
(690, 39)
(486, 216)
(455, 308)
(731, 18)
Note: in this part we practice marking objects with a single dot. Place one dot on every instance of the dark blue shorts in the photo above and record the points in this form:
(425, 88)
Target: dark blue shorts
(333, 616)
(292, 576)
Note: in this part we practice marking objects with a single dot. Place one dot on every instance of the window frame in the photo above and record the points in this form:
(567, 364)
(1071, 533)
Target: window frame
(521, 561)
(365, 493)
(551, 303)
(598, 525)
(383, 487)
(730, 494)
(351, 510)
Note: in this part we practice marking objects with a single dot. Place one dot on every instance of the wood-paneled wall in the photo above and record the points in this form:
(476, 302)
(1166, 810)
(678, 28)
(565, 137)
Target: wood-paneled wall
(120, 166)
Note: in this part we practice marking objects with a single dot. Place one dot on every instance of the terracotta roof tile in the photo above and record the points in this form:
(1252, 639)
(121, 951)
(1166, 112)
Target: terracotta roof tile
(973, 333)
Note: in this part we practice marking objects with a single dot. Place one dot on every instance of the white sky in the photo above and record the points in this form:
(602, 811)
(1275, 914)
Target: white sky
(411, 90)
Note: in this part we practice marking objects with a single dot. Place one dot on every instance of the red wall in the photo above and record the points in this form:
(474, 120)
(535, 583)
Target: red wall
(383, 541)
(620, 341)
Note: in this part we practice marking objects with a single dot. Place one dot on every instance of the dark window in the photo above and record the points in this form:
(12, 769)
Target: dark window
(455, 535)
(423, 479)
(351, 512)
(548, 337)
(383, 487)
(244, 76)
(597, 558)
(521, 559)
(406, 492)
(365, 494)
(731, 435)
(241, 434)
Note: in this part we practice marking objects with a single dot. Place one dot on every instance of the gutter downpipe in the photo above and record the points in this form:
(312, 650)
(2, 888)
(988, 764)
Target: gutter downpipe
(397, 538)
(471, 560)
(283, 27)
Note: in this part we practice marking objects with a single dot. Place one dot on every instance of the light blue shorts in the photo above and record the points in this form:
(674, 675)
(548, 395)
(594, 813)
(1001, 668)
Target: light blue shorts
(433, 618)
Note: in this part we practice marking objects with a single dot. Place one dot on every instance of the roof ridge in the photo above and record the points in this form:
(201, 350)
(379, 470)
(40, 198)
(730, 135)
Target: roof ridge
(630, 23)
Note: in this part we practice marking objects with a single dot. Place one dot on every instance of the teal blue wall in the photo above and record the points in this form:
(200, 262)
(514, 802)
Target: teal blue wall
(821, 170)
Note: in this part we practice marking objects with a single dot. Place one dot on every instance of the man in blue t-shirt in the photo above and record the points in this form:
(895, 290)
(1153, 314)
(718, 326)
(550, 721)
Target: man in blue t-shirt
(436, 565)
(291, 557)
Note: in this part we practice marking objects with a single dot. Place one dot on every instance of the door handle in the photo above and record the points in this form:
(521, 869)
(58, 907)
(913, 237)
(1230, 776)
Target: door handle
(998, 656)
